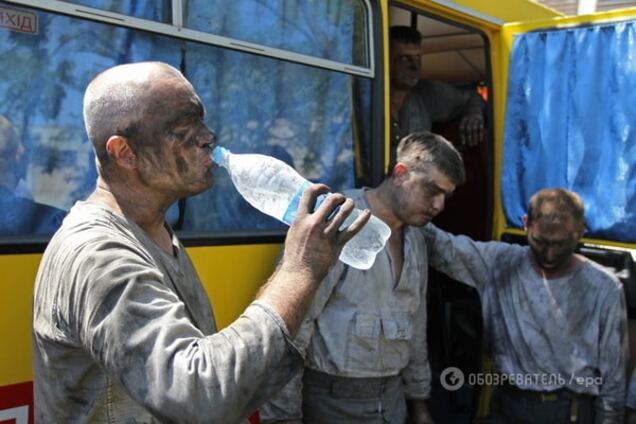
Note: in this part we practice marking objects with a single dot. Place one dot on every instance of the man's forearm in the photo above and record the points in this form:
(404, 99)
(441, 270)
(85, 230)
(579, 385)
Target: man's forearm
(290, 293)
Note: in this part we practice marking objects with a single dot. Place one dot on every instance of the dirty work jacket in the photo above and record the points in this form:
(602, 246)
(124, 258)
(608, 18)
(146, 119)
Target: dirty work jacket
(124, 332)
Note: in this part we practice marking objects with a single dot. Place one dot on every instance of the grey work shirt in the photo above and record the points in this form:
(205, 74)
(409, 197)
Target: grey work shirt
(366, 324)
(124, 332)
(432, 102)
(630, 400)
(545, 335)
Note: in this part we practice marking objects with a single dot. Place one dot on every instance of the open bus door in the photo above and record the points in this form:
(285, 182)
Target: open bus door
(456, 53)
(460, 47)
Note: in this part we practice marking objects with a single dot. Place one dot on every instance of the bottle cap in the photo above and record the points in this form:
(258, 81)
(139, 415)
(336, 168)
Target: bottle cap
(219, 153)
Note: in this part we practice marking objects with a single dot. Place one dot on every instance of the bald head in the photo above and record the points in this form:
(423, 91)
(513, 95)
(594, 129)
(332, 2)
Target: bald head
(120, 101)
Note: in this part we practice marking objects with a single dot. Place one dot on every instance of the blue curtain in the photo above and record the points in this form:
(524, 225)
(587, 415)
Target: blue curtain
(569, 123)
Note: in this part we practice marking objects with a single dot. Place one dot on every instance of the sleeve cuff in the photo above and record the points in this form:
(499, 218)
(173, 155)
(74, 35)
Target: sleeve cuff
(257, 309)
(417, 391)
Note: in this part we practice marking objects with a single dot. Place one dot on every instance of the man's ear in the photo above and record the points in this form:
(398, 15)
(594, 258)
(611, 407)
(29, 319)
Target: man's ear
(119, 151)
(582, 231)
(400, 170)
(525, 223)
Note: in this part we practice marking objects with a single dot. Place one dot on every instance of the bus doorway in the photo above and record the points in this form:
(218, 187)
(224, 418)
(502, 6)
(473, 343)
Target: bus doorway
(455, 57)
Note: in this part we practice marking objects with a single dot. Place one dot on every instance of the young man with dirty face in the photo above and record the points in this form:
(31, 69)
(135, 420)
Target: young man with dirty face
(364, 337)
(123, 330)
(554, 321)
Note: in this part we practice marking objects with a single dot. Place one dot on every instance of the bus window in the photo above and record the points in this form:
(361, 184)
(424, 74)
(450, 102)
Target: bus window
(41, 95)
(314, 117)
(330, 29)
(293, 112)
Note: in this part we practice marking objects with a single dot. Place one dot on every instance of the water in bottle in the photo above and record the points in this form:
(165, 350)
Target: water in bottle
(275, 188)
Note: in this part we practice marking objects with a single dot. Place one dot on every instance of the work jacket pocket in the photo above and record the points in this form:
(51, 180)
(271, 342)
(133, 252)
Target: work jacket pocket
(367, 326)
(397, 328)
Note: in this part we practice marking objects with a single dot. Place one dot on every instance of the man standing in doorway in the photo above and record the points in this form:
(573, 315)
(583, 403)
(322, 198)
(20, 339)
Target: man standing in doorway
(364, 337)
(416, 104)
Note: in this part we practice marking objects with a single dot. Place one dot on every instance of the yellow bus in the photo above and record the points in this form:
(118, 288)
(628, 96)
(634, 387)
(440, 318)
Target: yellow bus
(307, 82)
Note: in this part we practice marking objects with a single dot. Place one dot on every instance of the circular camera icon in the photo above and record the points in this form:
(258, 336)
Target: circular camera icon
(452, 378)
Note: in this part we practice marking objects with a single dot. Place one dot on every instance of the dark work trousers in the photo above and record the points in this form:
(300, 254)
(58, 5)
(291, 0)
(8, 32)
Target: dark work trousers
(516, 406)
(341, 400)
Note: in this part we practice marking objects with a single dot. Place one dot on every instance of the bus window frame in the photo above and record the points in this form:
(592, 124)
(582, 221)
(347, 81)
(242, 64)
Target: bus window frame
(174, 30)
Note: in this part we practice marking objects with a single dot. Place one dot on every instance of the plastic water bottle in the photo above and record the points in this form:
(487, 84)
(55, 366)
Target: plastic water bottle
(275, 188)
